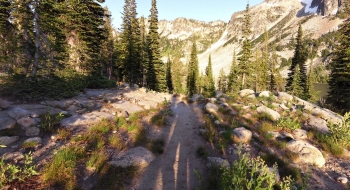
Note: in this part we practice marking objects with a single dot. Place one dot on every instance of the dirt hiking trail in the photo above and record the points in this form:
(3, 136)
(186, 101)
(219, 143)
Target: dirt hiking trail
(175, 168)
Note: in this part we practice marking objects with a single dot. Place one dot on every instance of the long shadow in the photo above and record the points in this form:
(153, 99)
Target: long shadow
(176, 167)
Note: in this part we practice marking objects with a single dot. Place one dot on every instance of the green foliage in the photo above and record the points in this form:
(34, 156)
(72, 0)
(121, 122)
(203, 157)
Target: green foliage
(339, 82)
(340, 134)
(233, 77)
(222, 81)
(209, 84)
(297, 82)
(49, 121)
(61, 170)
(96, 160)
(169, 78)
(10, 172)
(193, 72)
(248, 173)
(288, 123)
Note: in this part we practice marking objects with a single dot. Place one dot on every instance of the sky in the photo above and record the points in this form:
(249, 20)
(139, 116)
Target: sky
(202, 10)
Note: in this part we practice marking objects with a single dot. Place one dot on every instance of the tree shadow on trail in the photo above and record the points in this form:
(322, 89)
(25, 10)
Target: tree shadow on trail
(175, 168)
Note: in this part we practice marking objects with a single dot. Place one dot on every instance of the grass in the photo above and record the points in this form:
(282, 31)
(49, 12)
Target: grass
(289, 124)
(266, 126)
(63, 133)
(159, 119)
(61, 170)
(116, 142)
(30, 144)
(96, 160)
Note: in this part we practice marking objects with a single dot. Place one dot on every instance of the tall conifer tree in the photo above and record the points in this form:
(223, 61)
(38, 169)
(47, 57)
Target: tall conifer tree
(300, 57)
(245, 65)
(156, 79)
(169, 80)
(339, 82)
(193, 71)
(233, 82)
(209, 84)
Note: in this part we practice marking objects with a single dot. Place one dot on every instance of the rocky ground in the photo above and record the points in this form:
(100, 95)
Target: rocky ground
(21, 123)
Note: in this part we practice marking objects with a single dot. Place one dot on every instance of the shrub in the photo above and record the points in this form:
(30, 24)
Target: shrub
(49, 121)
(10, 172)
(288, 124)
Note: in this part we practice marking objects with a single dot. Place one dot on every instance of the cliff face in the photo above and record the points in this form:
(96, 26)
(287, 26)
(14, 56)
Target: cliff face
(328, 7)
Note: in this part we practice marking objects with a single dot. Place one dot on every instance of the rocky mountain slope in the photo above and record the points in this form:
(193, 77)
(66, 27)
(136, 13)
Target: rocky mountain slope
(281, 19)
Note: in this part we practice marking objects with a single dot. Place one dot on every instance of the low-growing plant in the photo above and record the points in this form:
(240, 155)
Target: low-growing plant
(96, 160)
(10, 172)
(266, 126)
(288, 124)
(248, 173)
(340, 134)
(112, 177)
(120, 121)
(63, 133)
(61, 170)
(30, 144)
(49, 121)
(159, 119)
(116, 142)
(102, 127)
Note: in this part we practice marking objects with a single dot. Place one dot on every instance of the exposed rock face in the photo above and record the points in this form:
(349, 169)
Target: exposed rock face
(241, 135)
(308, 154)
(26, 122)
(327, 7)
(32, 131)
(18, 113)
(85, 119)
(137, 156)
(285, 96)
(37, 140)
(299, 134)
(4, 104)
(264, 94)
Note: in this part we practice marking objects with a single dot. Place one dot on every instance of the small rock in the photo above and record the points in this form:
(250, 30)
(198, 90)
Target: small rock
(274, 114)
(202, 131)
(342, 180)
(218, 94)
(285, 96)
(18, 113)
(64, 112)
(137, 156)
(211, 108)
(212, 100)
(241, 135)
(217, 122)
(6, 140)
(26, 122)
(4, 104)
(13, 156)
(34, 115)
(284, 107)
(264, 94)
(32, 131)
(246, 92)
(299, 134)
(6, 123)
(37, 140)
(218, 162)
(222, 99)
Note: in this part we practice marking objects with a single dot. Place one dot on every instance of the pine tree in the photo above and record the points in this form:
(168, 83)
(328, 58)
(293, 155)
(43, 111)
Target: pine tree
(245, 66)
(339, 83)
(300, 57)
(297, 90)
(169, 77)
(193, 72)
(144, 53)
(264, 67)
(209, 84)
(107, 51)
(178, 75)
(156, 78)
(222, 81)
(233, 84)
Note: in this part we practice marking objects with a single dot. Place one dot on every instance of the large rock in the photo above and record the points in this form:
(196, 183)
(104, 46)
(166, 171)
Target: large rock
(285, 96)
(7, 122)
(127, 106)
(241, 135)
(4, 104)
(5, 140)
(18, 113)
(195, 97)
(246, 92)
(308, 154)
(26, 122)
(211, 108)
(218, 94)
(218, 162)
(137, 156)
(274, 114)
(265, 94)
(86, 119)
(36, 109)
(318, 124)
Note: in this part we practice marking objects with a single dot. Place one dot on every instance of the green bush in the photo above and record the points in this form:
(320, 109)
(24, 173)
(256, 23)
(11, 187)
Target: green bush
(249, 173)
(288, 124)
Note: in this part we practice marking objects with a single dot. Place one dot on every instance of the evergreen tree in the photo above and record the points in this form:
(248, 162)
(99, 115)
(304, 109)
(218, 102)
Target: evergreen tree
(245, 66)
(107, 52)
(222, 81)
(233, 84)
(169, 80)
(209, 84)
(339, 83)
(297, 90)
(178, 75)
(300, 57)
(144, 54)
(193, 72)
(156, 78)
(264, 67)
